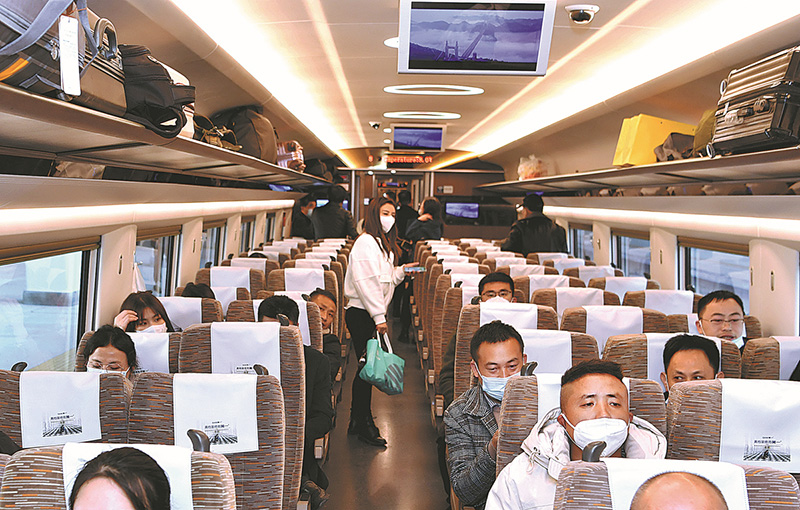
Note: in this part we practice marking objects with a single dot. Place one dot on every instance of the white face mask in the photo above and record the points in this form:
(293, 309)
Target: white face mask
(155, 328)
(106, 371)
(387, 222)
(497, 299)
(612, 431)
(495, 387)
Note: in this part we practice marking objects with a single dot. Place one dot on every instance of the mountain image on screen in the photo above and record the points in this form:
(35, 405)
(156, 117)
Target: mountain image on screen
(463, 38)
(462, 210)
(417, 138)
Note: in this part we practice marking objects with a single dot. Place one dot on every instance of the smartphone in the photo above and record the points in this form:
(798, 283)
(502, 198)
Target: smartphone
(414, 269)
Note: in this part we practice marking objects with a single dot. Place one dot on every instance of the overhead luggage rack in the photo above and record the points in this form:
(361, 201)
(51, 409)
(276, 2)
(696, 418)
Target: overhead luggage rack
(40, 127)
(779, 164)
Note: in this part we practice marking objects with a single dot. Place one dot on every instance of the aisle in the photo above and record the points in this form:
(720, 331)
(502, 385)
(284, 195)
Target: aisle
(405, 474)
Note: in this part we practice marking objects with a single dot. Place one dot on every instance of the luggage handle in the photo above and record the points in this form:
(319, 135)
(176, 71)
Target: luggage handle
(104, 27)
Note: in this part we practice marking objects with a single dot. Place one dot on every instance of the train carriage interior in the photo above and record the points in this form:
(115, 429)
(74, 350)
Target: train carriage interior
(159, 148)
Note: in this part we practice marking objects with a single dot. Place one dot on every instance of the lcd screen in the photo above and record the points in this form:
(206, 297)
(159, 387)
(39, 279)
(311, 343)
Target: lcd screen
(462, 210)
(417, 138)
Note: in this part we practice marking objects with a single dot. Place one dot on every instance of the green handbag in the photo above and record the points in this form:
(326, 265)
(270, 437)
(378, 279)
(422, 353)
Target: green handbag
(383, 369)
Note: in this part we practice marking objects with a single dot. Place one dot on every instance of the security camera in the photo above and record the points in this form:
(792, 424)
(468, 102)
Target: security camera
(375, 125)
(581, 14)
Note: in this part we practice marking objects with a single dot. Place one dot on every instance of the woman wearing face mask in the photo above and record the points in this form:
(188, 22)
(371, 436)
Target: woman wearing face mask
(369, 284)
(429, 224)
(142, 312)
(110, 349)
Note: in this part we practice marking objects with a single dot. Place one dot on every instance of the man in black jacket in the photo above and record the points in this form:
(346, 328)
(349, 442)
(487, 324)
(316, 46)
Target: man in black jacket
(319, 408)
(536, 232)
(302, 225)
(331, 220)
(405, 213)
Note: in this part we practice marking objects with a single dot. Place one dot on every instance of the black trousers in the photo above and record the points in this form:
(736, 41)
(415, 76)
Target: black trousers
(362, 328)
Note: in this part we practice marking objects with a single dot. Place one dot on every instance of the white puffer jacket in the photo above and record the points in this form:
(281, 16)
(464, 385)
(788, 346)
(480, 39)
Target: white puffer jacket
(371, 277)
(529, 481)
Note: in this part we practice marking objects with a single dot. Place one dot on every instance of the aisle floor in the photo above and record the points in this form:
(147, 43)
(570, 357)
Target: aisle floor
(405, 474)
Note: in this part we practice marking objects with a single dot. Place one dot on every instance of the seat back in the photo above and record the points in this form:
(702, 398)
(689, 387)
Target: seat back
(338, 270)
(258, 475)
(541, 257)
(277, 282)
(607, 321)
(262, 264)
(573, 296)
(531, 283)
(183, 312)
(496, 262)
(619, 285)
(310, 331)
(633, 353)
(521, 409)
(115, 395)
(174, 347)
(35, 480)
(775, 357)
(251, 279)
(586, 273)
(584, 485)
(468, 323)
(667, 301)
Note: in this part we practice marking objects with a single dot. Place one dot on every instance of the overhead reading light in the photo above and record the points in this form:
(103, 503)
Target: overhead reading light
(387, 130)
(422, 115)
(434, 90)
(386, 140)
(393, 171)
(392, 42)
(370, 172)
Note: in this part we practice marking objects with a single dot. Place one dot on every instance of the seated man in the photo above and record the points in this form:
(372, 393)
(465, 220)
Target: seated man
(331, 347)
(471, 420)
(494, 285)
(678, 489)
(594, 407)
(319, 410)
(689, 358)
(721, 314)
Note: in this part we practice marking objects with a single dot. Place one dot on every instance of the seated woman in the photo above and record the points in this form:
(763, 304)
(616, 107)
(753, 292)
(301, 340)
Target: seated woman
(123, 479)
(110, 349)
(200, 290)
(142, 312)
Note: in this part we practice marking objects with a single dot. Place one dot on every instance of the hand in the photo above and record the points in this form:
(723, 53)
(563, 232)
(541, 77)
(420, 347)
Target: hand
(124, 318)
(382, 328)
(493, 444)
(410, 264)
(425, 217)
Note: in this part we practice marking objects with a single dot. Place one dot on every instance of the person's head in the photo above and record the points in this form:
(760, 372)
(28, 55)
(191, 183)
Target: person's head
(404, 197)
(151, 315)
(307, 204)
(496, 285)
(110, 349)
(721, 314)
(678, 490)
(498, 354)
(326, 302)
(391, 195)
(258, 255)
(269, 309)
(689, 358)
(592, 393)
(200, 290)
(379, 223)
(124, 479)
(337, 195)
(432, 206)
(533, 203)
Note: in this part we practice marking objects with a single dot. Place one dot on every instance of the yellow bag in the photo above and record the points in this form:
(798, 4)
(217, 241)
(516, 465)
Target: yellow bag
(643, 133)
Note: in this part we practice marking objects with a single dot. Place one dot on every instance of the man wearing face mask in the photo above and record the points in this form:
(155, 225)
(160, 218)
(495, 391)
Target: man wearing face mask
(301, 218)
(594, 407)
(471, 420)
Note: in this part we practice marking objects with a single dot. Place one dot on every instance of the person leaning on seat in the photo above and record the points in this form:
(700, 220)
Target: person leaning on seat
(594, 407)
(471, 420)
(536, 232)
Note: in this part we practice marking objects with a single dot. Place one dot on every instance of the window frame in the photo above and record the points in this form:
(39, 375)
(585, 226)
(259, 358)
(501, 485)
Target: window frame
(685, 244)
(573, 238)
(617, 234)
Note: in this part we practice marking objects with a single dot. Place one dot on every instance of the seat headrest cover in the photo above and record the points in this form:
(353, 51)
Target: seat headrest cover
(248, 262)
(460, 267)
(152, 351)
(230, 277)
(550, 348)
(184, 311)
(237, 346)
(525, 269)
(789, 347)
(670, 302)
(304, 279)
(619, 285)
(546, 281)
(605, 321)
(519, 315)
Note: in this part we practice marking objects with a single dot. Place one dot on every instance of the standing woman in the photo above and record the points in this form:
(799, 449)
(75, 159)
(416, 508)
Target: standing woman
(369, 284)
(429, 224)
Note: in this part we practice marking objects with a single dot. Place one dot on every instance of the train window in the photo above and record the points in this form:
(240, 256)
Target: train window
(270, 225)
(155, 258)
(210, 249)
(246, 241)
(709, 266)
(43, 307)
(631, 252)
(581, 236)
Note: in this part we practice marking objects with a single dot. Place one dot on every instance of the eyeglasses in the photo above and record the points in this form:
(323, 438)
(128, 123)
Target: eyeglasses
(489, 294)
(111, 366)
(720, 322)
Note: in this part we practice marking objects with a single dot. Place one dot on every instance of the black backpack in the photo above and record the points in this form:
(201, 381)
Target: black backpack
(154, 100)
(254, 132)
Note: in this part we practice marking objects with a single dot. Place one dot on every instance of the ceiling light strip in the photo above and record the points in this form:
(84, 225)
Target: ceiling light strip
(434, 90)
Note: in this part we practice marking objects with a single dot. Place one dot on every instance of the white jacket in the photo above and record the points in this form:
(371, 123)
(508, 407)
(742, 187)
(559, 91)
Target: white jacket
(529, 481)
(371, 277)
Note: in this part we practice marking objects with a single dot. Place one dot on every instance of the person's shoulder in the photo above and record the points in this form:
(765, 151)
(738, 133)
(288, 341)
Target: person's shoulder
(314, 356)
(464, 401)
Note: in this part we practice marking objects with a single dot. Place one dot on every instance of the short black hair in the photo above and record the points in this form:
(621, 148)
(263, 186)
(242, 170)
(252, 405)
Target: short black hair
(495, 277)
(305, 200)
(533, 202)
(258, 255)
(691, 342)
(589, 367)
(322, 292)
(493, 333)
(717, 295)
(200, 290)
(404, 197)
(274, 305)
(337, 194)
(116, 338)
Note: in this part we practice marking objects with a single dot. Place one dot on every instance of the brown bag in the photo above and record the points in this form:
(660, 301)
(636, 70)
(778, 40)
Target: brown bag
(254, 132)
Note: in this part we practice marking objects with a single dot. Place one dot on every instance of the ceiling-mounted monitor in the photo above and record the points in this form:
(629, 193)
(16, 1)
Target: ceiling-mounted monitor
(418, 137)
(467, 37)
